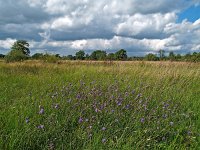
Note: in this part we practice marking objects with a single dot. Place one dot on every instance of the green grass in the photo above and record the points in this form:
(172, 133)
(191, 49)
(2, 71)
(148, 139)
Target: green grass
(142, 105)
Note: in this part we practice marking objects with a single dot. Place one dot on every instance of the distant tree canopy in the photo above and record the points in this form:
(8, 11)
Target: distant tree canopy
(98, 55)
(121, 55)
(111, 56)
(151, 57)
(80, 55)
(19, 51)
(2, 55)
(15, 55)
(161, 54)
(38, 56)
(21, 45)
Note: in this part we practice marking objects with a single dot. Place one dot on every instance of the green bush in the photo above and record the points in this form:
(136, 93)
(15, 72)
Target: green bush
(15, 55)
(49, 58)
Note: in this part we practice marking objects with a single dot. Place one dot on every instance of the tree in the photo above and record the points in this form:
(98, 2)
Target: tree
(2, 55)
(172, 56)
(15, 55)
(98, 55)
(80, 55)
(151, 57)
(87, 56)
(111, 56)
(121, 55)
(178, 57)
(38, 56)
(21, 45)
(161, 54)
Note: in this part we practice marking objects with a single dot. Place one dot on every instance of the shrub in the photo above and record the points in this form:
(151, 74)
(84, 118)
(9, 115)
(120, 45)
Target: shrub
(15, 55)
(50, 58)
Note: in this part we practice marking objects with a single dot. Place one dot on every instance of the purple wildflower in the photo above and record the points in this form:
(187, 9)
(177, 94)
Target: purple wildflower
(41, 110)
(40, 127)
(56, 106)
(80, 120)
(142, 120)
(103, 140)
(27, 120)
(104, 128)
(189, 133)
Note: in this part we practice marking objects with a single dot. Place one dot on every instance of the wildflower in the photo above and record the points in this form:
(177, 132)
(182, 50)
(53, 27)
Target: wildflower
(86, 120)
(164, 116)
(80, 120)
(103, 140)
(56, 106)
(171, 123)
(119, 103)
(41, 110)
(142, 120)
(27, 120)
(189, 133)
(40, 127)
(104, 128)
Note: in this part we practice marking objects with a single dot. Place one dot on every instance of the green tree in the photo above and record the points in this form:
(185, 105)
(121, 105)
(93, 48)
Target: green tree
(70, 57)
(121, 55)
(38, 56)
(87, 56)
(161, 54)
(151, 57)
(178, 57)
(111, 56)
(172, 56)
(98, 55)
(2, 55)
(15, 55)
(21, 45)
(80, 55)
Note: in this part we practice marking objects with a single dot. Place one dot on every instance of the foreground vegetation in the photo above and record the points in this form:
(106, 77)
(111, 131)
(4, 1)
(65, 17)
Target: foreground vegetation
(99, 105)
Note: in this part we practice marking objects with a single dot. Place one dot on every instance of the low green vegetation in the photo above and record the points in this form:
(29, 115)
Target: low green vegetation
(99, 105)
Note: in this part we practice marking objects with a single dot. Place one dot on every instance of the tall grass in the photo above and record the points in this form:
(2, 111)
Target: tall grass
(99, 105)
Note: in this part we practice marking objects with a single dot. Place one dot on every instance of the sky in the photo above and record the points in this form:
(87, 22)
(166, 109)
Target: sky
(67, 26)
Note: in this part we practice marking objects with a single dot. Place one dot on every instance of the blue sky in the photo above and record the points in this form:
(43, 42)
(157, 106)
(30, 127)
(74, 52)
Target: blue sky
(66, 26)
(191, 14)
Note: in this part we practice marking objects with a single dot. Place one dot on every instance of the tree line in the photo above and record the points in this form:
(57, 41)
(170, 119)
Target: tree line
(20, 51)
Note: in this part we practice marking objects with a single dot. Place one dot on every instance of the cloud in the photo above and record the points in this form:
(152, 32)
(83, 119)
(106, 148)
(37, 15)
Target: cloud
(62, 26)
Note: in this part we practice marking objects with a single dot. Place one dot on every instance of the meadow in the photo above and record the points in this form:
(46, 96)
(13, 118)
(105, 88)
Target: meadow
(99, 105)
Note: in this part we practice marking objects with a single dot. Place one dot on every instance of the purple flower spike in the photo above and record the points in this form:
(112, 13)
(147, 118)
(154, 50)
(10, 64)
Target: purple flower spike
(41, 110)
(104, 128)
(27, 120)
(40, 127)
(56, 106)
(142, 120)
(80, 120)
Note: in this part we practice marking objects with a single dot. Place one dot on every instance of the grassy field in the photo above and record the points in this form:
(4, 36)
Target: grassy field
(99, 105)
